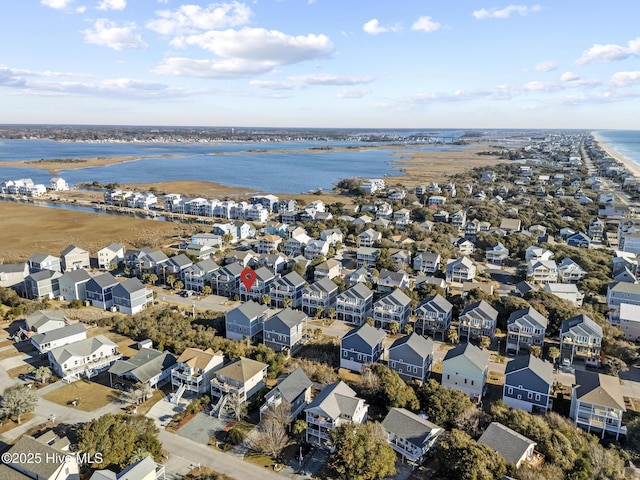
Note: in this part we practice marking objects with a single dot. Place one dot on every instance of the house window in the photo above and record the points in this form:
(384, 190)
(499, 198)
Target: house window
(530, 395)
(510, 391)
(393, 364)
(537, 396)
(345, 354)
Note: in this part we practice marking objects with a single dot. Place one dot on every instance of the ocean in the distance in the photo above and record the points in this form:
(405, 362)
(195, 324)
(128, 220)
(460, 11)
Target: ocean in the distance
(245, 165)
(624, 142)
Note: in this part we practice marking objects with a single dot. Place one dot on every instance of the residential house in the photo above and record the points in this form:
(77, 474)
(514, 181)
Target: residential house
(335, 405)
(389, 280)
(361, 346)
(50, 339)
(174, 266)
(542, 271)
(464, 246)
(369, 238)
(13, 274)
(290, 286)
(355, 304)
(264, 278)
(497, 254)
(394, 307)
(56, 461)
(226, 280)
(528, 383)
(581, 340)
(580, 240)
(73, 283)
(42, 284)
(436, 200)
(410, 435)
(246, 321)
(45, 320)
(149, 367)
(510, 225)
(570, 272)
(321, 294)
(84, 358)
(359, 275)
(476, 320)
(99, 290)
(597, 404)
(459, 220)
(516, 449)
(73, 258)
(627, 317)
(525, 328)
(196, 277)
(596, 230)
(110, 256)
(144, 469)
(294, 246)
(426, 262)
(367, 256)
(58, 184)
(433, 317)
(622, 292)
(331, 268)
(275, 262)
(242, 377)
(537, 253)
(294, 389)
(193, 371)
(566, 291)
(332, 236)
(522, 288)
(285, 330)
(411, 357)
(40, 261)
(460, 270)
(465, 368)
(131, 296)
(269, 243)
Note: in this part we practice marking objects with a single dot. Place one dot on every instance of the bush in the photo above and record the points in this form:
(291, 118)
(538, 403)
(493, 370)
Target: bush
(236, 436)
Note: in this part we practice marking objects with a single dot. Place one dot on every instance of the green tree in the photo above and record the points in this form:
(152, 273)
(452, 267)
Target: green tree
(319, 312)
(390, 390)
(462, 458)
(443, 405)
(207, 290)
(331, 313)
(266, 299)
(153, 278)
(42, 374)
(394, 327)
(299, 428)
(370, 321)
(554, 354)
(408, 328)
(452, 335)
(484, 342)
(18, 400)
(536, 351)
(287, 302)
(171, 280)
(361, 452)
(178, 285)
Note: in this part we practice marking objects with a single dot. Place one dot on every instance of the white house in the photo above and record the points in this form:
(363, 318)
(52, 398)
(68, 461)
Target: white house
(465, 368)
(84, 358)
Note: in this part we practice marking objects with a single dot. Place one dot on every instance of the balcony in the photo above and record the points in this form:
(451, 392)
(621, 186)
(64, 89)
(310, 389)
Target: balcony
(93, 364)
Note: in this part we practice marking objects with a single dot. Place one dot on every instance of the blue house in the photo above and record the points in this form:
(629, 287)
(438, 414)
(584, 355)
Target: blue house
(579, 239)
(527, 384)
(99, 290)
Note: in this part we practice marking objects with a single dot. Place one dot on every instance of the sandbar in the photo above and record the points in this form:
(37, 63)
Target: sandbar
(53, 166)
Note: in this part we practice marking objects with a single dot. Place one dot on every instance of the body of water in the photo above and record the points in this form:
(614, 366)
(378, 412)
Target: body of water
(624, 142)
(247, 165)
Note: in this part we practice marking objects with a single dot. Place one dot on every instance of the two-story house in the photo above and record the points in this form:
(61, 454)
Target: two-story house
(99, 290)
(410, 435)
(537, 253)
(460, 270)
(193, 372)
(388, 280)
(294, 389)
(542, 271)
(525, 328)
(369, 238)
(289, 286)
(42, 284)
(242, 377)
(465, 368)
(285, 330)
(367, 256)
(84, 358)
(355, 304)
(149, 367)
(411, 357)
(433, 317)
(335, 405)
(581, 340)
(426, 262)
(246, 321)
(361, 346)
(570, 272)
(41, 261)
(321, 294)
(48, 340)
(226, 280)
(476, 320)
(394, 307)
(597, 404)
(528, 382)
(331, 268)
(110, 256)
(131, 296)
(73, 258)
(497, 255)
(197, 276)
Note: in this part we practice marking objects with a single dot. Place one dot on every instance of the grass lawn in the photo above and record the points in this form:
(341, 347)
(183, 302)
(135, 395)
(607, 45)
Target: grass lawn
(92, 395)
(259, 459)
(348, 376)
(9, 424)
(206, 473)
(495, 378)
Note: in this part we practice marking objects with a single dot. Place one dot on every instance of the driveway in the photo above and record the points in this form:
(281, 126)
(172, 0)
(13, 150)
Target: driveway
(164, 410)
(202, 427)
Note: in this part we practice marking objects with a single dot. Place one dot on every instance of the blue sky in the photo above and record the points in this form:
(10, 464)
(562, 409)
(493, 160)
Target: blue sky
(322, 63)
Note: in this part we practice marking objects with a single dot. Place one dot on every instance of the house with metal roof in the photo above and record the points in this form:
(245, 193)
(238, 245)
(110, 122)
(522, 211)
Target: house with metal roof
(285, 330)
(361, 346)
(335, 405)
(597, 404)
(527, 384)
(411, 357)
(525, 328)
(510, 445)
(465, 368)
(149, 366)
(410, 435)
(294, 389)
(433, 317)
(581, 340)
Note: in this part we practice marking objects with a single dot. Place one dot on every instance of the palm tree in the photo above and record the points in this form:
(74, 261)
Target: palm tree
(536, 351)
(394, 327)
(484, 342)
(171, 280)
(266, 299)
(178, 285)
(153, 278)
(554, 354)
(332, 313)
(370, 321)
(319, 312)
(408, 328)
(287, 302)
(207, 290)
(452, 335)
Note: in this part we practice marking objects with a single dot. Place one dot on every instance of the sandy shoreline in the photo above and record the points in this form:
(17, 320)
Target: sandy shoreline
(53, 166)
(633, 167)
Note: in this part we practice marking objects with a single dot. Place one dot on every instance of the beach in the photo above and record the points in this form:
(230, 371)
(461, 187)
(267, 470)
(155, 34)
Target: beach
(633, 167)
(53, 166)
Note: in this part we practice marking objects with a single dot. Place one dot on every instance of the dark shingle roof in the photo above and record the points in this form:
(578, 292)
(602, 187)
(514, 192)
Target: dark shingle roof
(541, 368)
(293, 385)
(419, 344)
(409, 426)
(511, 445)
(370, 335)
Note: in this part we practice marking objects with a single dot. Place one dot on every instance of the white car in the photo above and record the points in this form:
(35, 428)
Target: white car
(566, 362)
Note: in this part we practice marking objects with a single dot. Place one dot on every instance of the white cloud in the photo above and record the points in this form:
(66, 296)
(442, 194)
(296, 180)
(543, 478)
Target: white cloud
(57, 4)
(610, 52)
(205, 68)
(112, 5)
(260, 45)
(81, 9)
(297, 82)
(110, 34)
(373, 27)
(353, 93)
(546, 66)
(505, 12)
(425, 24)
(193, 18)
(569, 77)
(623, 79)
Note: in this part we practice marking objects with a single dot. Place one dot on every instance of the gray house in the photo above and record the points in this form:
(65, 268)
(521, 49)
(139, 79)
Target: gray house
(131, 296)
(476, 320)
(285, 330)
(433, 317)
(58, 337)
(261, 286)
(411, 357)
(395, 307)
(149, 366)
(99, 290)
(510, 445)
(581, 340)
(322, 293)
(289, 286)
(42, 284)
(45, 320)
(73, 284)
(527, 384)
(195, 277)
(13, 274)
(409, 435)
(295, 389)
(355, 304)
(73, 258)
(361, 346)
(225, 281)
(41, 261)
(246, 321)
(526, 328)
(427, 262)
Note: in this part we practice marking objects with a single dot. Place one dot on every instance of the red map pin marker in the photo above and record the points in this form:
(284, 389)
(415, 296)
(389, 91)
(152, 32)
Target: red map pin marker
(248, 278)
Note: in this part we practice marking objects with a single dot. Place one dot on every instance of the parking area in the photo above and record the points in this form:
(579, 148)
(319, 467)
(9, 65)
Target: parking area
(199, 302)
(164, 410)
(202, 428)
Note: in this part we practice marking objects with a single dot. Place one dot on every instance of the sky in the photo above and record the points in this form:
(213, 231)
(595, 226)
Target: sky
(322, 63)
